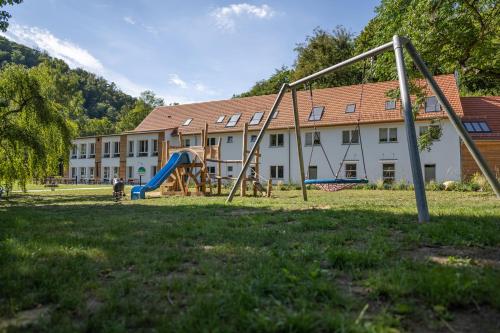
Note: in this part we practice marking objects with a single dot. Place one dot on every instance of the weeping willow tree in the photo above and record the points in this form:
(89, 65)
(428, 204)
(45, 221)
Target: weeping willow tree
(35, 130)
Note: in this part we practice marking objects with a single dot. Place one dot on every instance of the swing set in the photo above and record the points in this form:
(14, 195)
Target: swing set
(397, 45)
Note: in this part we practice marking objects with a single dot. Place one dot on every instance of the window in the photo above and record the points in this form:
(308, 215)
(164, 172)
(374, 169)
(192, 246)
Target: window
(312, 172)
(229, 170)
(276, 140)
(155, 148)
(74, 150)
(73, 173)
(350, 108)
(211, 170)
(116, 171)
(153, 170)
(387, 135)
(107, 149)
(350, 136)
(316, 113)
(220, 119)
(351, 170)
(91, 172)
(429, 172)
(106, 173)
(116, 149)
(277, 172)
(390, 104)
(256, 118)
(477, 127)
(253, 138)
(92, 150)
(187, 142)
(130, 173)
(233, 120)
(312, 137)
(432, 130)
(143, 147)
(388, 172)
(83, 150)
(275, 115)
(432, 104)
(253, 172)
(187, 122)
(131, 149)
(83, 173)
(211, 141)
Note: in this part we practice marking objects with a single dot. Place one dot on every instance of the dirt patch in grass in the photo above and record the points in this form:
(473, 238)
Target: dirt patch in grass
(458, 256)
(25, 318)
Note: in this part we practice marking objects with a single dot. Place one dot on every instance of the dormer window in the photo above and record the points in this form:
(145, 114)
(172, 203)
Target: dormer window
(477, 127)
(233, 120)
(432, 104)
(316, 113)
(256, 118)
(220, 119)
(390, 104)
(275, 115)
(350, 108)
(187, 122)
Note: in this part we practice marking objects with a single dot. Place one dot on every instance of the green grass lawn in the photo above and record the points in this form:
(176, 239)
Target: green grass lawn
(351, 261)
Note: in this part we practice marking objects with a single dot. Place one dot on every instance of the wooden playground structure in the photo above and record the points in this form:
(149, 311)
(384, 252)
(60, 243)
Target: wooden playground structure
(193, 178)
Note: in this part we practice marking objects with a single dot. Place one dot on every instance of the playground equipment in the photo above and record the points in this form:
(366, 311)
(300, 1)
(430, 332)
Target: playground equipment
(183, 166)
(397, 45)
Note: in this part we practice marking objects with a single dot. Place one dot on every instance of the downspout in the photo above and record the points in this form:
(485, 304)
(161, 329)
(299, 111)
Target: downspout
(289, 164)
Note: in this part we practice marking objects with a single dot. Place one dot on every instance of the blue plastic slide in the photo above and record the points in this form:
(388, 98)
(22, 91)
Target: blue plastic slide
(139, 192)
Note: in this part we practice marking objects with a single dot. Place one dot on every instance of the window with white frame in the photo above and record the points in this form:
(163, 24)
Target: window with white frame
(211, 170)
(155, 148)
(83, 150)
(253, 138)
(187, 122)
(316, 113)
(83, 173)
(105, 173)
(312, 172)
(107, 149)
(211, 141)
(116, 149)
(143, 148)
(350, 108)
(276, 140)
(388, 172)
(390, 104)
(154, 169)
(233, 120)
(350, 136)
(253, 172)
(116, 171)
(256, 118)
(432, 104)
(187, 142)
(220, 119)
(229, 170)
(130, 173)
(387, 135)
(275, 114)
(91, 173)
(230, 139)
(131, 149)
(73, 172)
(92, 150)
(74, 151)
(312, 138)
(432, 130)
(351, 170)
(277, 172)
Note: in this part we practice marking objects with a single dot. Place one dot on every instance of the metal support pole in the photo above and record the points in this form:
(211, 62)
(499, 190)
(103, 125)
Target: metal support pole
(411, 135)
(298, 140)
(455, 120)
(256, 144)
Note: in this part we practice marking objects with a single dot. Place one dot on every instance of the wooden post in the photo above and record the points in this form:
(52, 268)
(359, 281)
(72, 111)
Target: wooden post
(243, 189)
(181, 142)
(257, 169)
(269, 187)
(298, 140)
(219, 168)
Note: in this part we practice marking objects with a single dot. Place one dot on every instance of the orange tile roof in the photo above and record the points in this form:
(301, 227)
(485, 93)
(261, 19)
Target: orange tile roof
(370, 110)
(484, 108)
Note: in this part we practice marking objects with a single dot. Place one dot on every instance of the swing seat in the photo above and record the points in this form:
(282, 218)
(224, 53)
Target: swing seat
(335, 181)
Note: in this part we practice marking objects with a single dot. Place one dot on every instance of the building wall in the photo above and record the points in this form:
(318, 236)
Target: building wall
(445, 153)
(490, 150)
(79, 163)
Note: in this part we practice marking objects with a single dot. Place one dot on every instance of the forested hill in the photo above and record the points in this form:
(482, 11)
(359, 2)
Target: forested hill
(100, 107)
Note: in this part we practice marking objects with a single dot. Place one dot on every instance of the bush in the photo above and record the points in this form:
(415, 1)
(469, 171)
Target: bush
(434, 186)
(479, 181)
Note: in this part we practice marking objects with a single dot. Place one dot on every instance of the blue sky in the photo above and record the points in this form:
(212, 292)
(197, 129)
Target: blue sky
(185, 51)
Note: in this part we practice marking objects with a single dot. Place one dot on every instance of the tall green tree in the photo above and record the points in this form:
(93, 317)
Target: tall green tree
(271, 85)
(5, 15)
(133, 116)
(35, 131)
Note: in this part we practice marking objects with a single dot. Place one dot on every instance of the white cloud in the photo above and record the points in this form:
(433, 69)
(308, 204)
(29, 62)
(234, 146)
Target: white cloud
(129, 20)
(175, 79)
(225, 16)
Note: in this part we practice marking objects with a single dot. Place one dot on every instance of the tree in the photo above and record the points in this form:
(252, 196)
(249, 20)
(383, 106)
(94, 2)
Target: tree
(271, 85)
(4, 15)
(35, 131)
(132, 117)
